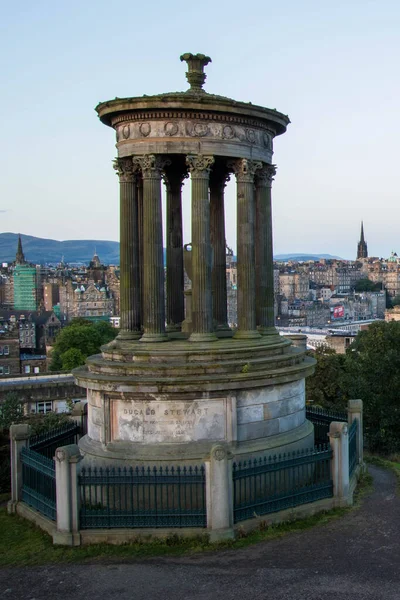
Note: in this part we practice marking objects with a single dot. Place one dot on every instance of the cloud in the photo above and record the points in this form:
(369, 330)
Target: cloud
(4, 210)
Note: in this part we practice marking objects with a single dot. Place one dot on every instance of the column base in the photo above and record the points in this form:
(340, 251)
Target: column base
(129, 335)
(247, 335)
(267, 330)
(173, 327)
(223, 331)
(203, 337)
(151, 338)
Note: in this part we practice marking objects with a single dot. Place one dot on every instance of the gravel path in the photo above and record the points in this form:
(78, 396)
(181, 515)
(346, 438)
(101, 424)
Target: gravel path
(355, 557)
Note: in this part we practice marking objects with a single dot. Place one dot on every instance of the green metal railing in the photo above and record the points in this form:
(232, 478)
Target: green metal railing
(142, 497)
(39, 482)
(353, 449)
(38, 468)
(47, 443)
(267, 485)
(321, 419)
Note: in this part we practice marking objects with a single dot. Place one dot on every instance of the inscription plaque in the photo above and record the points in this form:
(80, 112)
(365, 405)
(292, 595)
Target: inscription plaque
(170, 422)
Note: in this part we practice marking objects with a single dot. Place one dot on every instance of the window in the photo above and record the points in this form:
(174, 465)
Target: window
(1, 370)
(44, 407)
(1, 350)
(36, 369)
(6, 370)
(6, 350)
(27, 369)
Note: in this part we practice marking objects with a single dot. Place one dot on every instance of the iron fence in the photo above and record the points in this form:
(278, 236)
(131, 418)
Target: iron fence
(39, 482)
(142, 497)
(47, 443)
(353, 449)
(267, 485)
(321, 419)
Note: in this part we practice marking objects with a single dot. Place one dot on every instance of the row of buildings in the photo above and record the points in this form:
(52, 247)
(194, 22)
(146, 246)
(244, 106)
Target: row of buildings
(314, 294)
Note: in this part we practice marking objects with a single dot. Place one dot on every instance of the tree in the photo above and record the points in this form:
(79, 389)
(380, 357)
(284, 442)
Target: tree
(366, 285)
(79, 340)
(372, 373)
(325, 387)
(11, 411)
(396, 301)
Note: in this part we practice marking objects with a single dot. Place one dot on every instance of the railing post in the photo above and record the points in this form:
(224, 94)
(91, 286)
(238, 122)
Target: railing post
(66, 495)
(19, 438)
(339, 441)
(74, 462)
(219, 494)
(355, 413)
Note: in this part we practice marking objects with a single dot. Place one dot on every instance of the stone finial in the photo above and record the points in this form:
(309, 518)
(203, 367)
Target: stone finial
(195, 74)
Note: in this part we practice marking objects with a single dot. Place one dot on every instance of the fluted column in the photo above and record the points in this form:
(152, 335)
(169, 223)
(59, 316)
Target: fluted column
(153, 262)
(173, 178)
(264, 252)
(130, 306)
(246, 303)
(139, 191)
(218, 178)
(202, 331)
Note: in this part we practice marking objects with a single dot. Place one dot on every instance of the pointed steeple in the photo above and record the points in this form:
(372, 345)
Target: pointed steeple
(20, 257)
(362, 250)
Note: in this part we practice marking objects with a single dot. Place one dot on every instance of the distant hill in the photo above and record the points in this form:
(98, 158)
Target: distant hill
(303, 257)
(41, 251)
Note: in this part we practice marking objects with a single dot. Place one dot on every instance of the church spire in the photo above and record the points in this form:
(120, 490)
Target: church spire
(362, 250)
(362, 232)
(20, 257)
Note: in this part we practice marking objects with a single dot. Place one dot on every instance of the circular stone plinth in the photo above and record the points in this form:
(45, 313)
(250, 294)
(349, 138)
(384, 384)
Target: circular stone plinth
(173, 401)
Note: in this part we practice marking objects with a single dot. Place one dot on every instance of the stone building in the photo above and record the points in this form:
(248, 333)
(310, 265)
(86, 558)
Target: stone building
(88, 301)
(9, 350)
(294, 285)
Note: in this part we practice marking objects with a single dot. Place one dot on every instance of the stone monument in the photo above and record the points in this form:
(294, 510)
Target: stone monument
(159, 394)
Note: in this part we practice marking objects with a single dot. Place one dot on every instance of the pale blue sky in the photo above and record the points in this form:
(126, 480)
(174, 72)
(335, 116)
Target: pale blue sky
(332, 66)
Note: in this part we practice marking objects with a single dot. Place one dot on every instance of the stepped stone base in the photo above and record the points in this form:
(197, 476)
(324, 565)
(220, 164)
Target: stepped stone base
(169, 404)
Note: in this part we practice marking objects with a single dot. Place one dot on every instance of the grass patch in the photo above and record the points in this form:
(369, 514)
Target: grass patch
(22, 543)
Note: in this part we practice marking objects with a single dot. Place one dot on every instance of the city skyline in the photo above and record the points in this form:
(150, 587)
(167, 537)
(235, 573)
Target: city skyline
(329, 67)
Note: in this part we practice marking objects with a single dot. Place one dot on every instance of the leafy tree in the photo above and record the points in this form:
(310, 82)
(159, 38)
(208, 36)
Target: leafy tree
(396, 301)
(326, 386)
(72, 358)
(372, 373)
(11, 411)
(366, 285)
(79, 340)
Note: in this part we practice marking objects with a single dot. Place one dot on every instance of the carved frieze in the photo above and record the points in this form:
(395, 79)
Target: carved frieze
(223, 128)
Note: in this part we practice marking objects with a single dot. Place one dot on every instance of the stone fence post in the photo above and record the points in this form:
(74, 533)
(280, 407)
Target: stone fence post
(339, 441)
(355, 413)
(67, 459)
(219, 494)
(79, 416)
(19, 438)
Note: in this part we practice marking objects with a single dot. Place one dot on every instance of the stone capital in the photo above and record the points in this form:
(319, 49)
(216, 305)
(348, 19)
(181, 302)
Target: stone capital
(219, 178)
(245, 169)
(174, 177)
(151, 165)
(199, 165)
(126, 170)
(265, 176)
